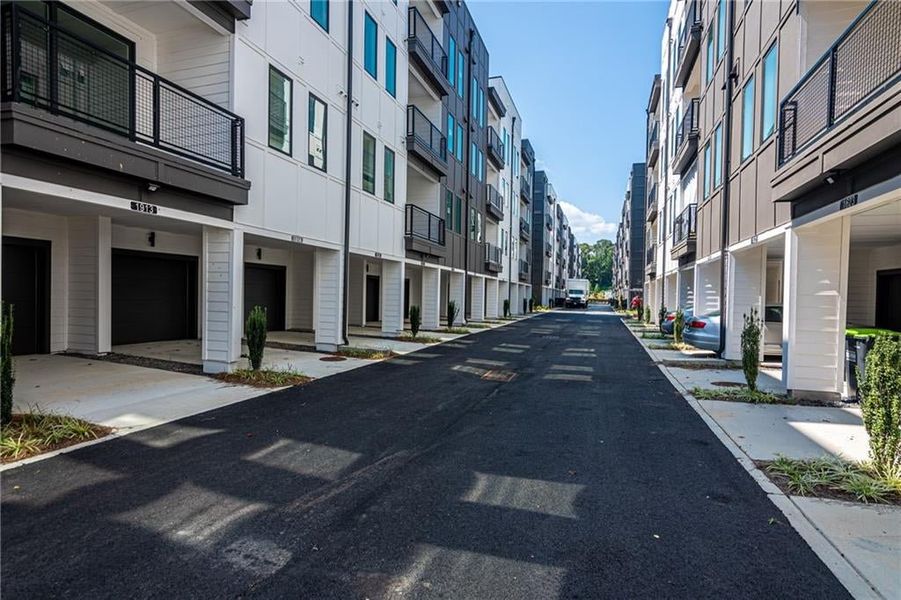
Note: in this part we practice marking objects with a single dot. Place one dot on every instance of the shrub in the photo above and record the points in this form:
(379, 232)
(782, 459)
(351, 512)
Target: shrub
(647, 314)
(452, 311)
(415, 320)
(7, 375)
(750, 348)
(880, 403)
(255, 332)
(678, 326)
(506, 308)
(531, 305)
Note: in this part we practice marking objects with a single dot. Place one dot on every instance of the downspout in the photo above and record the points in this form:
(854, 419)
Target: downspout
(468, 102)
(510, 254)
(345, 305)
(665, 151)
(727, 167)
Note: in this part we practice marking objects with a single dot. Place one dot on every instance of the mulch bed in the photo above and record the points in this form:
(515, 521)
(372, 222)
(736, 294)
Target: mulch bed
(820, 491)
(99, 431)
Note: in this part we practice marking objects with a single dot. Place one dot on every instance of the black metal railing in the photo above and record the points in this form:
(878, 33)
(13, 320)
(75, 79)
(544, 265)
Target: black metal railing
(524, 225)
(863, 61)
(421, 129)
(524, 266)
(492, 254)
(495, 200)
(547, 278)
(653, 136)
(525, 187)
(549, 222)
(652, 197)
(548, 249)
(651, 255)
(419, 32)
(684, 225)
(422, 224)
(692, 20)
(688, 127)
(495, 146)
(50, 67)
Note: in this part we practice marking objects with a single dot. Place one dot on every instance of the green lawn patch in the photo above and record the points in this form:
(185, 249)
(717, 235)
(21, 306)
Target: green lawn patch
(478, 326)
(456, 330)
(833, 478)
(265, 378)
(33, 433)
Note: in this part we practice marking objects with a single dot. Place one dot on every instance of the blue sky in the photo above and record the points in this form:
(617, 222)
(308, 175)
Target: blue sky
(580, 74)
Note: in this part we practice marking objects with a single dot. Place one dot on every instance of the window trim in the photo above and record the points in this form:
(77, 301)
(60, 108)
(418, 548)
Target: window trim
(313, 98)
(367, 18)
(327, 4)
(385, 175)
(707, 172)
(389, 67)
(751, 129)
(774, 47)
(721, 30)
(290, 111)
(363, 163)
(717, 157)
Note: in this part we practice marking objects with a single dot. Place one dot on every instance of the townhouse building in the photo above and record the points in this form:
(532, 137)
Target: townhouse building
(545, 271)
(561, 251)
(158, 181)
(629, 248)
(788, 116)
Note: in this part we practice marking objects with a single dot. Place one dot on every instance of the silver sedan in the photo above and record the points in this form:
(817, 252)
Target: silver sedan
(703, 331)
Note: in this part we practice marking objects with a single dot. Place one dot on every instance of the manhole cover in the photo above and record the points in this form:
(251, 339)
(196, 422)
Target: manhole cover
(332, 358)
(727, 384)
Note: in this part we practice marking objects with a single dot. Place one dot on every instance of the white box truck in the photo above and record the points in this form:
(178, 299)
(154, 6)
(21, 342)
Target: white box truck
(577, 293)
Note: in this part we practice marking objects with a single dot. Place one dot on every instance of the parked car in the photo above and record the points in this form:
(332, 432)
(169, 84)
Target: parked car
(772, 330)
(703, 331)
(669, 321)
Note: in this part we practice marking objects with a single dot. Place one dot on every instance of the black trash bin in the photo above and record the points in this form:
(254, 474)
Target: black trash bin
(859, 341)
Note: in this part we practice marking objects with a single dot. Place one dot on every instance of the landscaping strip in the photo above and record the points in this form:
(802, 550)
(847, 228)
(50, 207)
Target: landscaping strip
(832, 478)
(33, 433)
(265, 378)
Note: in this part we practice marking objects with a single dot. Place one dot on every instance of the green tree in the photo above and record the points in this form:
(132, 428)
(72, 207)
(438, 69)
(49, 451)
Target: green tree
(597, 263)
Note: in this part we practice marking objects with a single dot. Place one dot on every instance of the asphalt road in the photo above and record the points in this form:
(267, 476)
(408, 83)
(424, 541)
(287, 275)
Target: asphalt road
(546, 459)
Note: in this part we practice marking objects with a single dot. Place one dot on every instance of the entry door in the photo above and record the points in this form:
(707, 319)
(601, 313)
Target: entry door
(26, 286)
(372, 298)
(264, 285)
(406, 298)
(888, 299)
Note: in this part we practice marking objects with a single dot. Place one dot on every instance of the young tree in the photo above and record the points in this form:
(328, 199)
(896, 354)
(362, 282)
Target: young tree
(880, 393)
(415, 320)
(255, 332)
(750, 348)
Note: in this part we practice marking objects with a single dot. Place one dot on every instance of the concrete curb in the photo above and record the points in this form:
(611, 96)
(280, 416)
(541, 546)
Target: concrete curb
(853, 580)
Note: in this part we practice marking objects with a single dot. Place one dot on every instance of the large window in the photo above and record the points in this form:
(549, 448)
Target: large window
(390, 67)
(458, 214)
(747, 119)
(368, 163)
(451, 127)
(279, 111)
(768, 93)
(451, 60)
(371, 46)
(707, 170)
(721, 29)
(318, 124)
(459, 142)
(461, 74)
(474, 99)
(389, 175)
(718, 155)
(709, 59)
(448, 209)
(319, 12)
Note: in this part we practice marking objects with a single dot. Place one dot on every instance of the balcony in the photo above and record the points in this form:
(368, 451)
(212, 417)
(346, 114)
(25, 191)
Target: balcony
(495, 205)
(527, 152)
(652, 204)
(525, 229)
(524, 270)
(684, 232)
(493, 259)
(64, 95)
(548, 222)
(653, 143)
(424, 232)
(689, 43)
(494, 99)
(426, 53)
(495, 148)
(426, 142)
(547, 278)
(548, 249)
(650, 262)
(862, 64)
(687, 138)
(655, 94)
(525, 189)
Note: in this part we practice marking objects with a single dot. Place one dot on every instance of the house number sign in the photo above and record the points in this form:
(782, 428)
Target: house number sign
(145, 207)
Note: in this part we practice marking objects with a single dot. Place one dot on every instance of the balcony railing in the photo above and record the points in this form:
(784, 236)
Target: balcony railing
(422, 224)
(548, 249)
(689, 43)
(495, 148)
(862, 62)
(525, 188)
(651, 255)
(524, 266)
(652, 204)
(547, 278)
(422, 132)
(687, 136)
(525, 228)
(50, 67)
(684, 225)
(653, 150)
(426, 50)
(549, 222)
(495, 204)
(493, 257)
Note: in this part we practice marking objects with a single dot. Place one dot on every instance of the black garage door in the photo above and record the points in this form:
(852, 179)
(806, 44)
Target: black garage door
(264, 285)
(26, 286)
(154, 297)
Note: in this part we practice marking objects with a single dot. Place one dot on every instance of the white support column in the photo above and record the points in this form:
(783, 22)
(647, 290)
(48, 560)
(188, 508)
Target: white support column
(392, 298)
(90, 282)
(745, 285)
(430, 310)
(327, 299)
(223, 290)
(491, 299)
(457, 293)
(706, 288)
(477, 299)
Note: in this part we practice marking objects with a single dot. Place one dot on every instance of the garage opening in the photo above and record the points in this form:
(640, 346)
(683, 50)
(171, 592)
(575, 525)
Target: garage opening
(26, 286)
(154, 297)
(264, 285)
(372, 299)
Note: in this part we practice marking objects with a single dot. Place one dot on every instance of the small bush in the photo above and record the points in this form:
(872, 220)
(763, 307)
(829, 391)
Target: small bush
(36, 432)
(255, 333)
(678, 326)
(506, 308)
(265, 378)
(452, 311)
(750, 348)
(7, 374)
(647, 314)
(415, 320)
(880, 403)
(813, 477)
(366, 353)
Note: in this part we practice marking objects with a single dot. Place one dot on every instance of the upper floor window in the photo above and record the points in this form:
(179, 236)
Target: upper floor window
(389, 175)
(474, 99)
(319, 12)
(459, 142)
(747, 119)
(708, 59)
(718, 155)
(390, 67)
(448, 208)
(317, 133)
(721, 29)
(768, 93)
(461, 74)
(451, 127)
(370, 46)
(458, 214)
(707, 170)
(368, 163)
(279, 111)
(451, 59)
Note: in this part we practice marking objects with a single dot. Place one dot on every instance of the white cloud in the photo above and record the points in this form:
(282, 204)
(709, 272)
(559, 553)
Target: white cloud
(587, 227)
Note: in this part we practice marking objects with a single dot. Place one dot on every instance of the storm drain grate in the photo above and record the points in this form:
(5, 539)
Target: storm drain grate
(497, 375)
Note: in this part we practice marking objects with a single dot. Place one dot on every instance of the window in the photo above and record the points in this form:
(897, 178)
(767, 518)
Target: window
(718, 155)
(279, 111)
(458, 214)
(482, 106)
(370, 46)
(747, 119)
(448, 209)
(390, 67)
(768, 93)
(461, 74)
(450, 134)
(459, 142)
(451, 59)
(708, 57)
(472, 158)
(317, 126)
(474, 99)
(707, 171)
(319, 12)
(368, 163)
(389, 175)
(721, 30)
